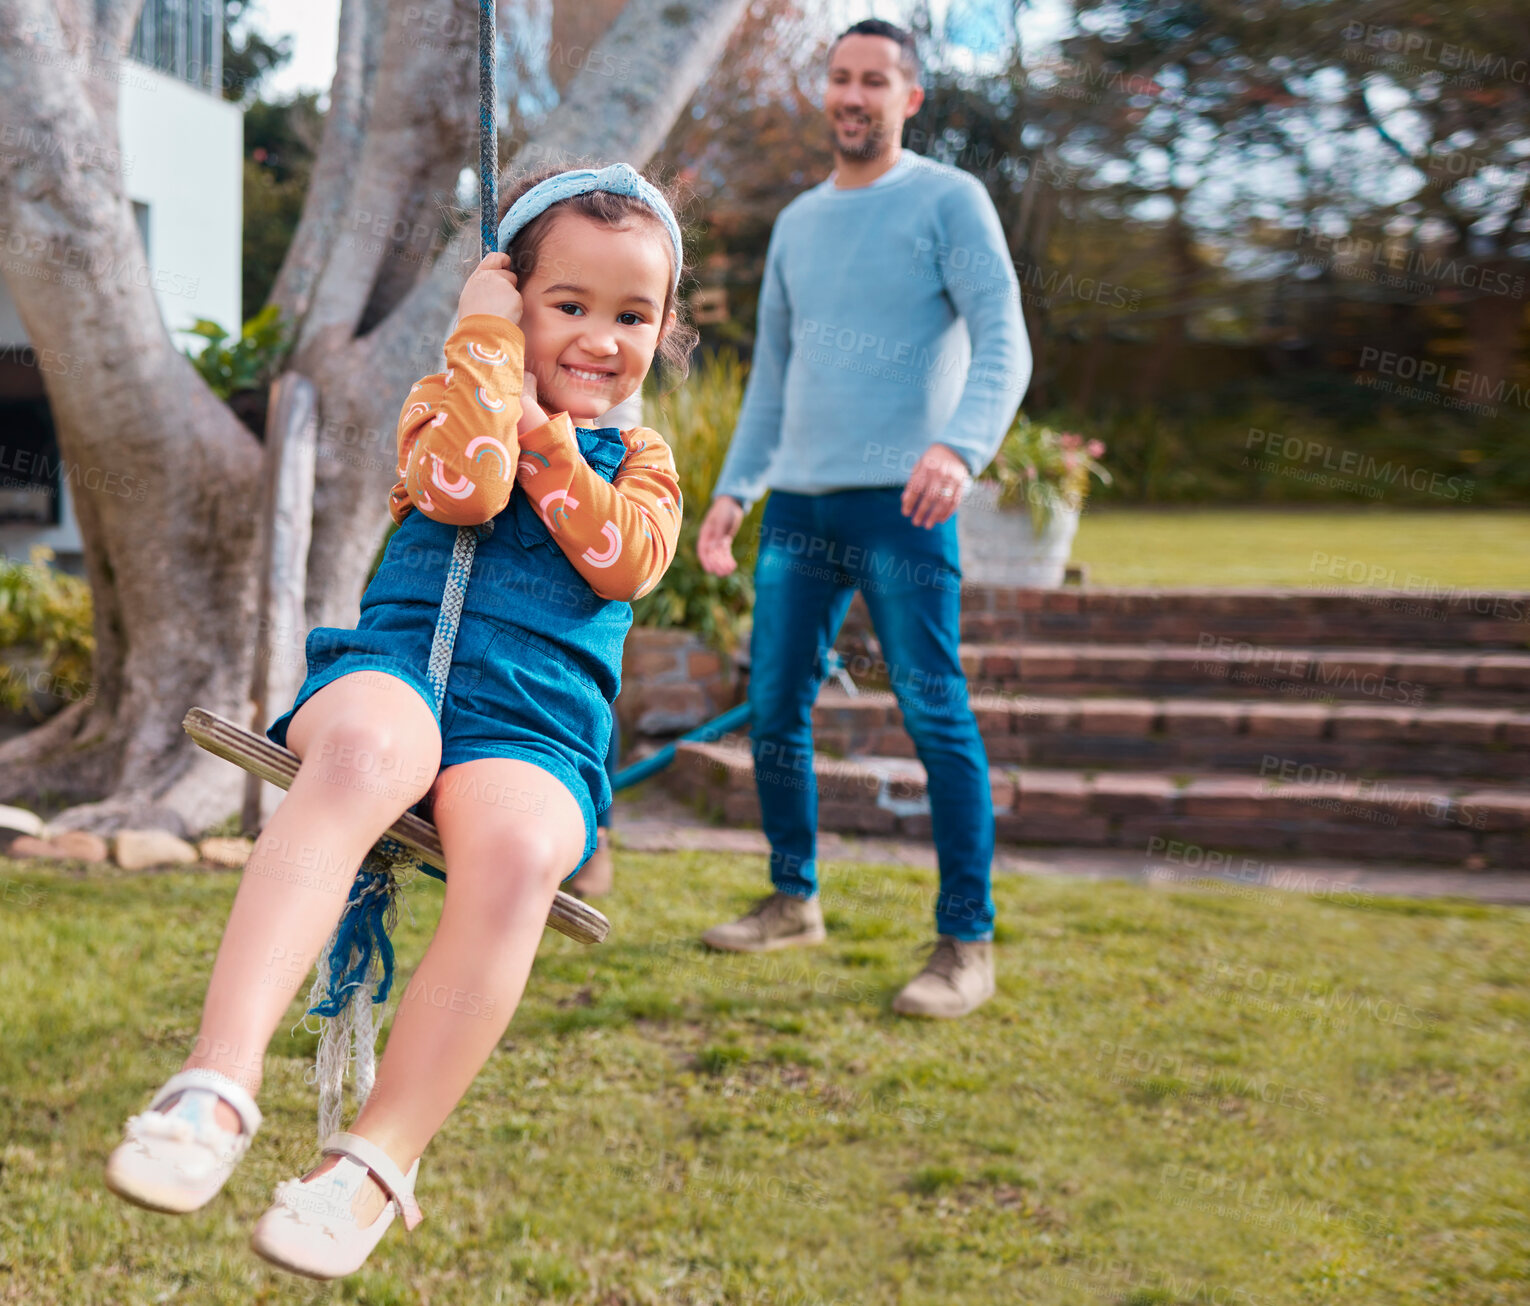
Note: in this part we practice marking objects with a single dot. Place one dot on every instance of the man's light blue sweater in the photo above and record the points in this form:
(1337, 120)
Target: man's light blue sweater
(889, 320)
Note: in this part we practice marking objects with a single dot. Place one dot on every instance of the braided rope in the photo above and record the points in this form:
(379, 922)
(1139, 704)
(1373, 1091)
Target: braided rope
(358, 955)
(458, 570)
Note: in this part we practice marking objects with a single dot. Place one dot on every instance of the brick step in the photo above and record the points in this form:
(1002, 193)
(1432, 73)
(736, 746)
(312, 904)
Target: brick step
(1251, 736)
(1145, 810)
(1388, 678)
(1429, 617)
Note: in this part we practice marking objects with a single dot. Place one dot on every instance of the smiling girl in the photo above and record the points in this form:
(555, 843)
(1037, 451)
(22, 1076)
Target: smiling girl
(554, 330)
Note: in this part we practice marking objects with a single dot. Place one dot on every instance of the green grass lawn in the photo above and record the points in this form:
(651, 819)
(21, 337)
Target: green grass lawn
(1184, 1096)
(1425, 552)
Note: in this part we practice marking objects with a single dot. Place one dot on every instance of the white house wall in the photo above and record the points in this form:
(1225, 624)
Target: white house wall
(182, 156)
(183, 153)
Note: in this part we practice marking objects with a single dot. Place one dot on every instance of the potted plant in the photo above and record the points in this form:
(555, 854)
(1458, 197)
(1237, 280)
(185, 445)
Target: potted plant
(1018, 521)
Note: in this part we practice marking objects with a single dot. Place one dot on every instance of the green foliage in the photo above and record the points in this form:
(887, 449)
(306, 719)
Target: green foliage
(1046, 468)
(1264, 449)
(46, 611)
(281, 140)
(248, 60)
(697, 419)
(249, 363)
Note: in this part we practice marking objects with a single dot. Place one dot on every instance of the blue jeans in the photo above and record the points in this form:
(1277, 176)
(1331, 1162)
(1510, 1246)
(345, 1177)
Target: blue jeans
(815, 552)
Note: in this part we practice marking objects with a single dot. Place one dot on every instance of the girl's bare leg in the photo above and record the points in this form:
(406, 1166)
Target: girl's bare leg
(510, 833)
(370, 749)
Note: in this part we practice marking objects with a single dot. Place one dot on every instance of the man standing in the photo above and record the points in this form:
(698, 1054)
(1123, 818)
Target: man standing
(865, 421)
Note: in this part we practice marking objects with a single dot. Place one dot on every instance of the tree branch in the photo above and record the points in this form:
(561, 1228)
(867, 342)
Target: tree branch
(334, 174)
(421, 114)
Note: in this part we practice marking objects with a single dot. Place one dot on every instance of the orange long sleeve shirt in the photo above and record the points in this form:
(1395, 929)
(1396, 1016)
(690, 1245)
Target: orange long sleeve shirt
(459, 458)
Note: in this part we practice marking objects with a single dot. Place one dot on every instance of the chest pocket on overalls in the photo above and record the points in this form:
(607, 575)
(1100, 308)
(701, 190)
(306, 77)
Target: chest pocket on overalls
(602, 449)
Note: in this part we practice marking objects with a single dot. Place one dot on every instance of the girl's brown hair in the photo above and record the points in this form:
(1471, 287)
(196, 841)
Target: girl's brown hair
(676, 342)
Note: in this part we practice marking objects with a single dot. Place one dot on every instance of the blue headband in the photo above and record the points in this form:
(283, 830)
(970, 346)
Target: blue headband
(617, 178)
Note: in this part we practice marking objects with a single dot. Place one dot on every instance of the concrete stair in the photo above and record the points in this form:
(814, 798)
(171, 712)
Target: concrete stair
(1358, 725)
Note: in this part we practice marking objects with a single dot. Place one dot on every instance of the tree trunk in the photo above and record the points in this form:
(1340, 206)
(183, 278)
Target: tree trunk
(169, 533)
(1493, 323)
(1156, 375)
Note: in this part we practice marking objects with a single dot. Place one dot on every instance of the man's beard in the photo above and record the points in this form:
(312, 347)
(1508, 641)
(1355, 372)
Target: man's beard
(873, 141)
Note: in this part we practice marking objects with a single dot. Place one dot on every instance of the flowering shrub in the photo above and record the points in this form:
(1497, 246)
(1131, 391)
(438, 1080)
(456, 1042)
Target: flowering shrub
(1045, 468)
(47, 612)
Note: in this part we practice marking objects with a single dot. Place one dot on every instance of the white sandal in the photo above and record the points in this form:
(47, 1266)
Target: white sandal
(310, 1229)
(177, 1160)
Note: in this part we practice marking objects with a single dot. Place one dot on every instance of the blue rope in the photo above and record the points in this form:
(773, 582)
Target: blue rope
(362, 933)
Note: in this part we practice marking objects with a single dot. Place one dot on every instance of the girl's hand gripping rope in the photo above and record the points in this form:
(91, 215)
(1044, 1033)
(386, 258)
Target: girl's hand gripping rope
(491, 288)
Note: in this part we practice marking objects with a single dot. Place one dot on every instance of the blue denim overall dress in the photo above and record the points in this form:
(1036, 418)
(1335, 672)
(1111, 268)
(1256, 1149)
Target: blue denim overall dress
(537, 662)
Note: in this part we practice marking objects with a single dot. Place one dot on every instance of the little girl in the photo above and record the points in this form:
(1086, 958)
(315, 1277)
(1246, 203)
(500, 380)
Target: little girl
(554, 330)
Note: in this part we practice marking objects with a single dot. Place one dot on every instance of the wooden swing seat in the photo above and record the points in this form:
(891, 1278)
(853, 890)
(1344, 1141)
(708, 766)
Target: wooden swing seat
(259, 756)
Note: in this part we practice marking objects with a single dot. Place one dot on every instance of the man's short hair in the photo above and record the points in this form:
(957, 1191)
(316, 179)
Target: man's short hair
(908, 52)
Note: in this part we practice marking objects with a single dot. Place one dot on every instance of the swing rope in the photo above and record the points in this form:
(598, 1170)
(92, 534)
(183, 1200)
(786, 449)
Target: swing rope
(359, 954)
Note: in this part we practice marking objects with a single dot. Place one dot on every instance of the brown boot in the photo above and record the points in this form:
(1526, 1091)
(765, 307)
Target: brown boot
(776, 921)
(957, 977)
(593, 879)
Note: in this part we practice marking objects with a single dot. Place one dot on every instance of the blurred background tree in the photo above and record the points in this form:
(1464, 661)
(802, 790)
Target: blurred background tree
(1222, 216)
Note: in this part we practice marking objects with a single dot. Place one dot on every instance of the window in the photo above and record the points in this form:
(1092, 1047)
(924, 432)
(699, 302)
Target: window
(29, 459)
(141, 217)
(183, 38)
